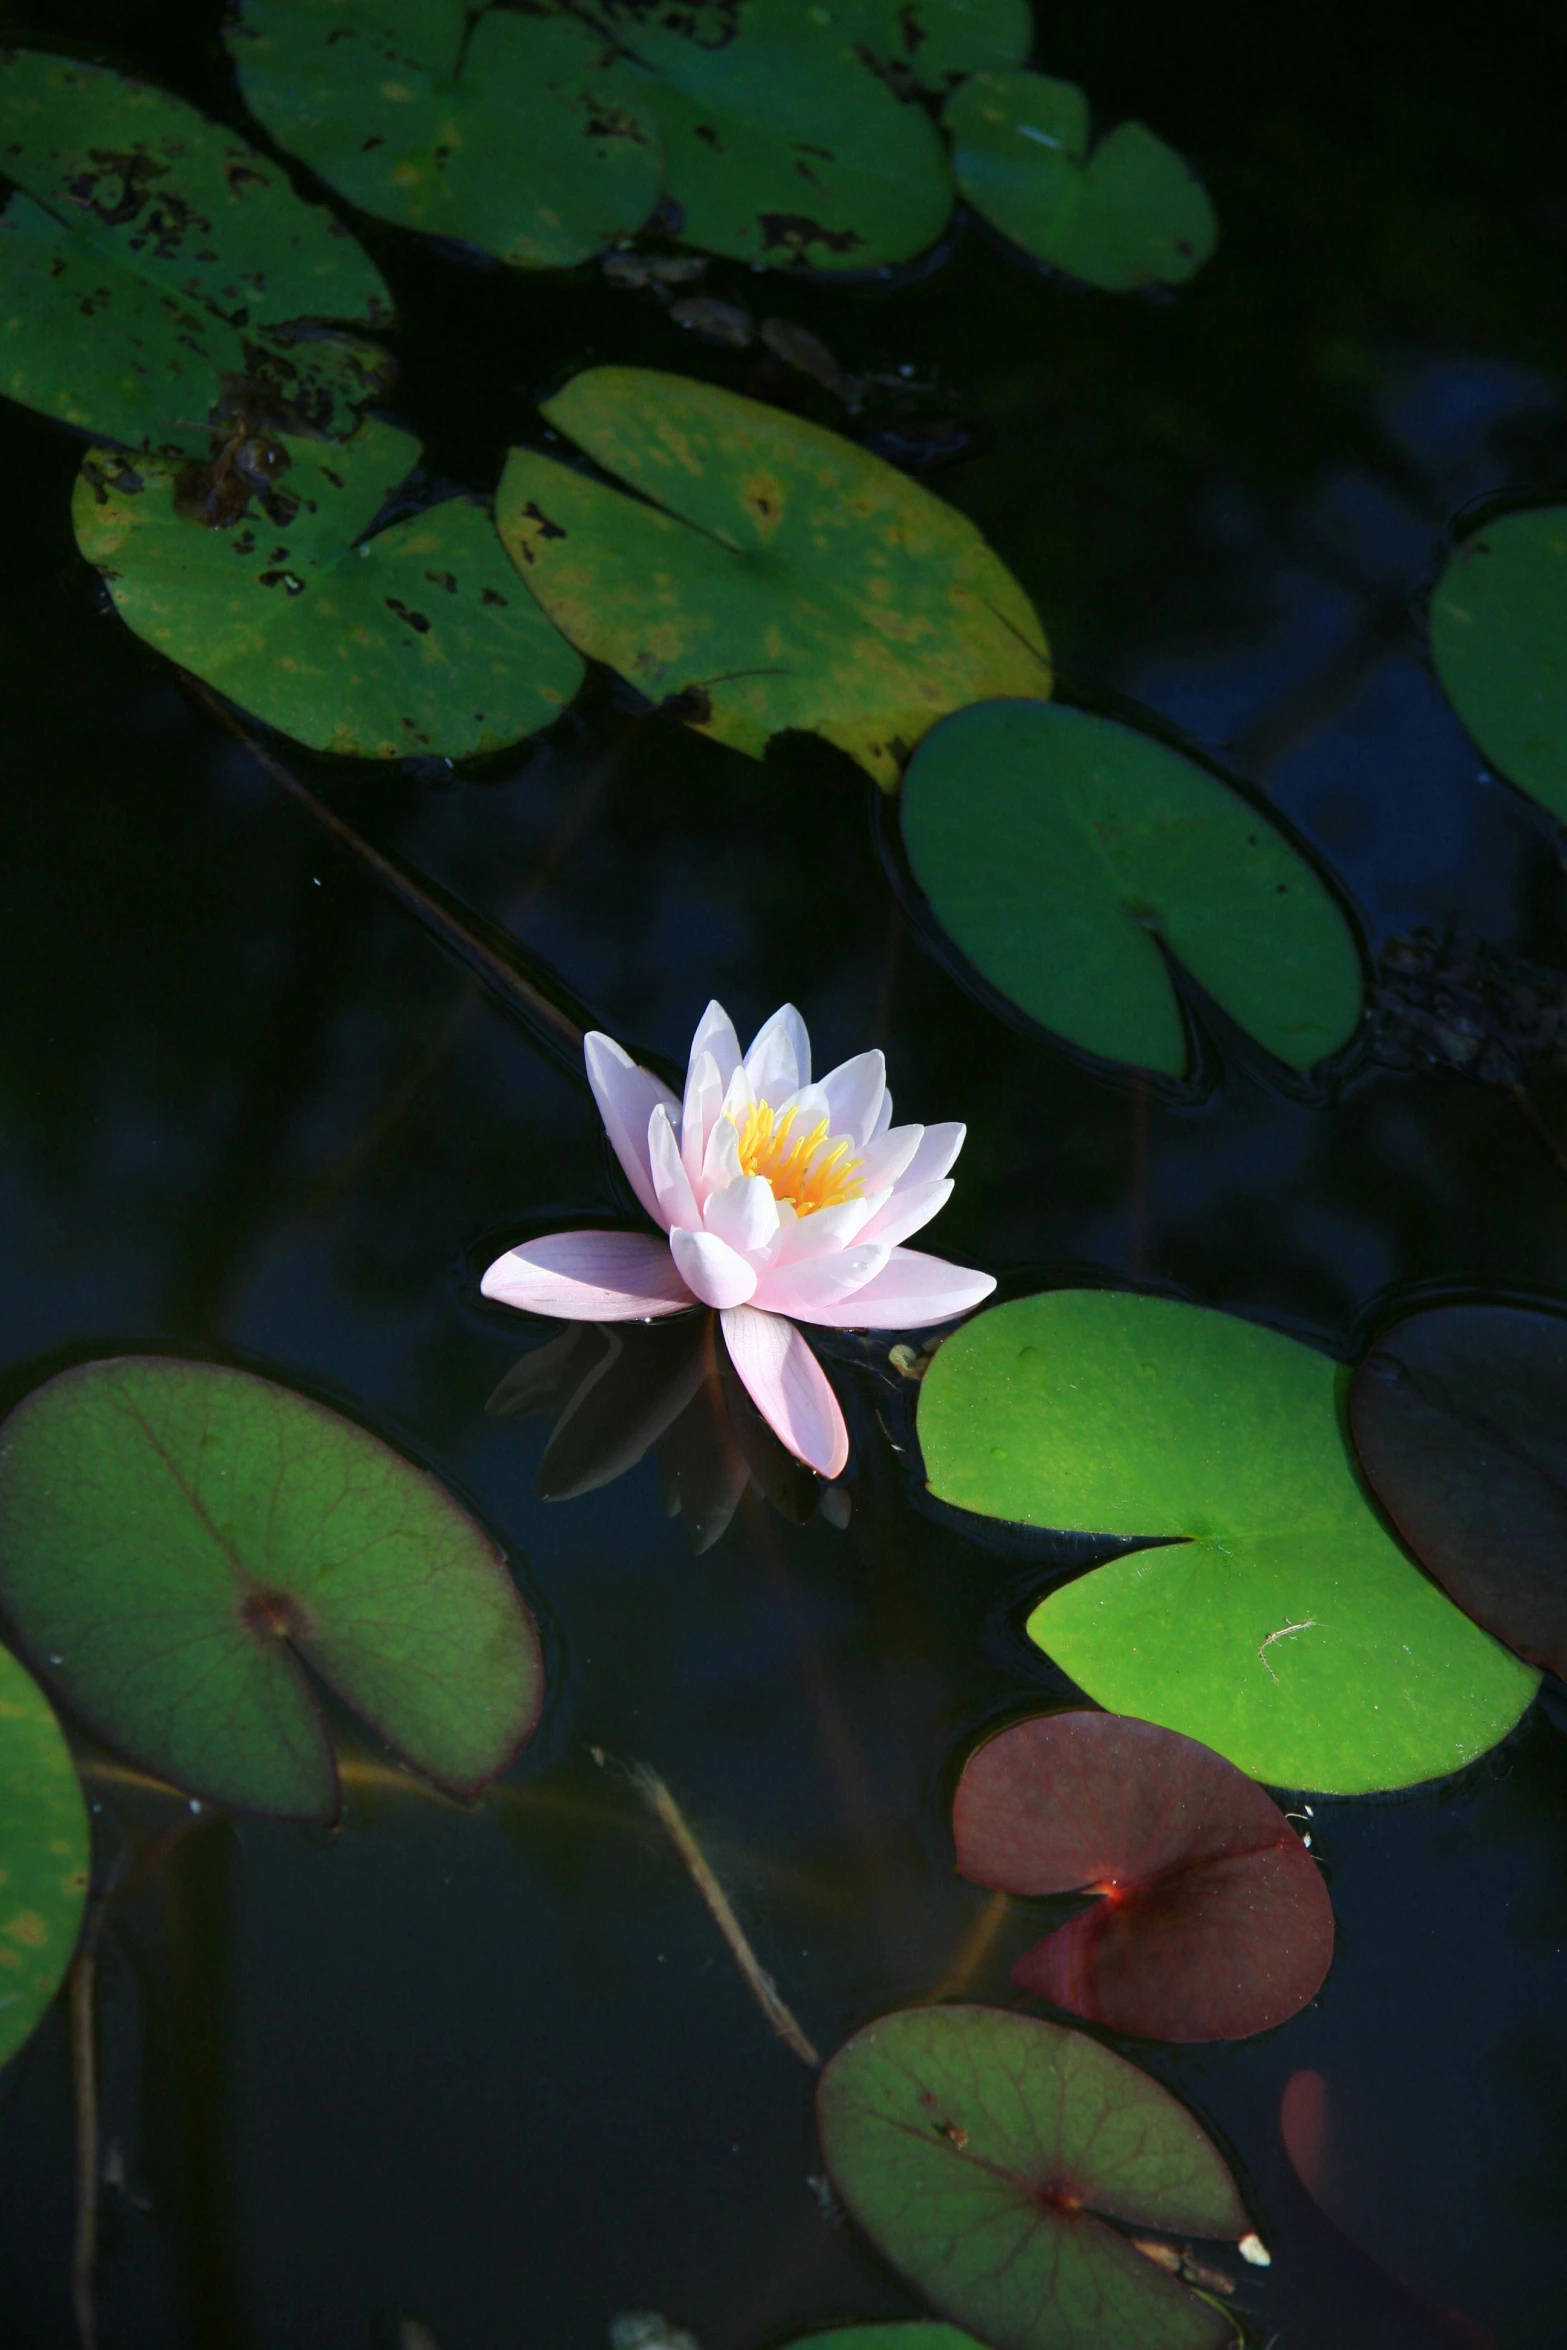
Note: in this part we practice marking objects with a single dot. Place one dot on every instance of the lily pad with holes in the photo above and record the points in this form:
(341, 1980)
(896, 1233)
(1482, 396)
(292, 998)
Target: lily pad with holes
(930, 44)
(179, 1540)
(1073, 858)
(520, 132)
(780, 144)
(1459, 1415)
(1210, 1919)
(44, 1849)
(416, 639)
(1278, 1622)
(156, 272)
(767, 575)
(988, 2156)
(1499, 640)
(1129, 213)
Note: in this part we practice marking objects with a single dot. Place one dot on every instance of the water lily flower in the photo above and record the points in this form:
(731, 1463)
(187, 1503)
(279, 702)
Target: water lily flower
(779, 1200)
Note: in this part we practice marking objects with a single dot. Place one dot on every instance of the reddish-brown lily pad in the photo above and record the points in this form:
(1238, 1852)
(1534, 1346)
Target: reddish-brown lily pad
(1211, 1921)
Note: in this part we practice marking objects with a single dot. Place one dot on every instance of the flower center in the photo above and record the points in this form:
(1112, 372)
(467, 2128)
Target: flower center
(801, 1169)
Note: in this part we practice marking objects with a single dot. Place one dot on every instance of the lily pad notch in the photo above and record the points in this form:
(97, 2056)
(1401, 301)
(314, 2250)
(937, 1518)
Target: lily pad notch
(179, 1540)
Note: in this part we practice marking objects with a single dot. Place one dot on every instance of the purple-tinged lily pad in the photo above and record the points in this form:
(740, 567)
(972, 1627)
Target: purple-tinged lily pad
(178, 1540)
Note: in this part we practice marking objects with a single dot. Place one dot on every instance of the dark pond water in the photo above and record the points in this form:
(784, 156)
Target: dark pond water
(496, 2072)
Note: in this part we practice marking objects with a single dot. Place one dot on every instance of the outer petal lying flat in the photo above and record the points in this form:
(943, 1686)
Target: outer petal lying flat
(745, 1215)
(627, 1097)
(711, 1269)
(589, 1277)
(671, 1184)
(912, 1291)
(788, 1387)
(910, 1206)
(855, 1091)
(779, 1061)
(804, 1290)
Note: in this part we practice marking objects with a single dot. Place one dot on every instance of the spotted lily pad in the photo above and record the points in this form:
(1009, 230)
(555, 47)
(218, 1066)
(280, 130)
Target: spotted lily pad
(1278, 1622)
(783, 577)
(1072, 858)
(43, 1855)
(517, 131)
(780, 144)
(416, 639)
(1210, 1919)
(1129, 214)
(930, 44)
(987, 2155)
(1459, 1415)
(156, 272)
(1499, 640)
(177, 1540)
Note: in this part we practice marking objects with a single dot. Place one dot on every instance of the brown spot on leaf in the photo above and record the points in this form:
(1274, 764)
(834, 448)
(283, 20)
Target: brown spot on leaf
(417, 621)
(796, 232)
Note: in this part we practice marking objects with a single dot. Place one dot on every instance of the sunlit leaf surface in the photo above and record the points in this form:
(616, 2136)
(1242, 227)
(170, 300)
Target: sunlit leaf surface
(177, 1538)
(1211, 1919)
(930, 44)
(984, 2153)
(1499, 639)
(1288, 1630)
(156, 270)
(780, 144)
(1069, 856)
(43, 1855)
(418, 639)
(1130, 213)
(1459, 1416)
(779, 577)
(520, 132)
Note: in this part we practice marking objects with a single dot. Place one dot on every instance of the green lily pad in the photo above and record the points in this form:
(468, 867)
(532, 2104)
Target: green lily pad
(415, 640)
(518, 132)
(930, 44)
(783, 578)
(1283, 1626)
(1130, 214)
(156, 272)
(44, 1847)
(919, 2333)
(780, 144)
(1068, 855)
(985, 2155)
(176, 1539)
(1499, 640)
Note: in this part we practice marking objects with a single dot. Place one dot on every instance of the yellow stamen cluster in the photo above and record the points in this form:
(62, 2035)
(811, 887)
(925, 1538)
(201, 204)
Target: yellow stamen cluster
(791, 1165)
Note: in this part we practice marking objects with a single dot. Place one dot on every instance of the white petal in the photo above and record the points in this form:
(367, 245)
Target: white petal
(627, 1097)
(711, 1269)
(910, 1206)
(883, 1118)
(788, 1387)
(744, 1214)
(803, 1290)
(939, 1147)
(855, 1091)
(826, 1229)
(676, 1199)
(779, 1061)
(721, 1159)
(808, 1106)
(910, 1293)
(589, 1277)
(715, 1034)
(704, 1097)
(889, 1156)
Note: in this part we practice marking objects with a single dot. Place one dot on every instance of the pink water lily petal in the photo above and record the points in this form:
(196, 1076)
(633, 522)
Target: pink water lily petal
(711, 1269)
(806, 1290)
(715, 1034)
(910, 1292)
(671, 1183)
(788, 1387)
(826, 1230)
(589, 1277)
(721, 1159)
(745, 1214)
(703, 1099)
(855, 1091)
(779, 1061)
(910, 1206)
(888, 1156)
(627, 1097)
(882, 1119)
(939, 1146)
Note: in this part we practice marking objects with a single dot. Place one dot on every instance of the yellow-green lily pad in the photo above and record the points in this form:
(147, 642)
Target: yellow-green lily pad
(414, 640)
(768, 573)
(43, 1855)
